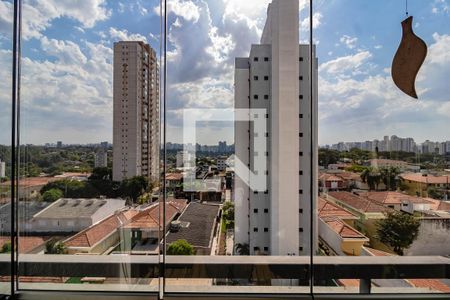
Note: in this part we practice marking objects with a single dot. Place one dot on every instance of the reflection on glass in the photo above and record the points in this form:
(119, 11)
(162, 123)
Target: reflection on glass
(89, 154)
(6, 56)
(383, 155)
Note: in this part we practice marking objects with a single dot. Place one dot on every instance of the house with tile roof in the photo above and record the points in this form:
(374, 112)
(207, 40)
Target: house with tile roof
(130, 230)
(336, 235)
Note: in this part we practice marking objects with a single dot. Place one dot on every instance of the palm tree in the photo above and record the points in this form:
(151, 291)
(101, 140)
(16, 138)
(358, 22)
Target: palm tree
(243, 249)
(389, 177)
(372, 177)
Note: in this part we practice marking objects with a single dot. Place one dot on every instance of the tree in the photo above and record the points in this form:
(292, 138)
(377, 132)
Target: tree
(52, 195)
(133, 187)
(180, 247)
(372, 177)
(228, 214)
(6, 248)
(398, 230)
(101, 173)
(328, 156)
(389, 176)
(53, 247)
(243, 249)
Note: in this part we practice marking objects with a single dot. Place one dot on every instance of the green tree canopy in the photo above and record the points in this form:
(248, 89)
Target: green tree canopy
(389, 176)
(6, 248)
(52, 195)
(398, 230)
(372, 177)
(228, 214)
(133, 187)
(180, 247)
(54, 247)
(243, 249)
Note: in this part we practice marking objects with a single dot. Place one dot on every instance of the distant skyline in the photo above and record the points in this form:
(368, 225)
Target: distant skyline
(67, 65)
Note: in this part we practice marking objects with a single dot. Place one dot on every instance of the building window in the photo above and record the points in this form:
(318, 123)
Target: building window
(266, 97)
(255, 229)
(266, 210)
(300, 116)
(267, 116)
(300, 191)
(300, 134)
(300, 229)
(300, 78)
(300, 58)
(255, 248)
(266, 78)
(255, 192)
(266, 192)
(300, 172)
(300, 210)
(266, 229)
(266, 248)
(300, 96)
(255, 210)
(300, 248)
(255, 77)
(300, 153)
(255, 59)
(255, 96)
(266, 59)
(267, 134)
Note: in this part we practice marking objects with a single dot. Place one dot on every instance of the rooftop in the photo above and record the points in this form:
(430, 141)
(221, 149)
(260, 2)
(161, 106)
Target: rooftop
(75, 208)
(429, 179)
(201, 218)
(174, 176)
(388, 197)
(345, 231)
(26, 211)
(327, 209)
(26, 243)
(357, 202)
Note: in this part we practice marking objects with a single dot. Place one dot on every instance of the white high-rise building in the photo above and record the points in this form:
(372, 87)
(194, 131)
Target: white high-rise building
(101, 158)
(136, 142)
(2, 169)
(276, 77)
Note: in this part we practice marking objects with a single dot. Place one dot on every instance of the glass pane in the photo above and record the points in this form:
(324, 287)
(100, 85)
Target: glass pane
(6, 56)
(383, 155)
(239, 145)
(89, 155)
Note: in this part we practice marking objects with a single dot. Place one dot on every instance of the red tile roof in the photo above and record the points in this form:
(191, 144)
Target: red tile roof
(393, 197)
(151, 218)
(26, 243)
(328, 209)
(174, 176)
(344, 230)
(430, 179)
(433, 284)
(359, 203)
(132, 218)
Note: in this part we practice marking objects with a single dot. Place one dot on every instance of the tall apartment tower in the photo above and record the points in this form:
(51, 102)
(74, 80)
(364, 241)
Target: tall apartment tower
(136, 140)
(276, 77)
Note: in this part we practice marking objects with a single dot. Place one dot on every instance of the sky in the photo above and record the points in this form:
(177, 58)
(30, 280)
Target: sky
(67, 65)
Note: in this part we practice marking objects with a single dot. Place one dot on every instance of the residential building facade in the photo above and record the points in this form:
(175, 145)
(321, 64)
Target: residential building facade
(136, 136)
(276, 78)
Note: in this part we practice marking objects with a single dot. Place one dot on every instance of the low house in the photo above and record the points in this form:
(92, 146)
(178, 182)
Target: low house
(26, 211)
(199, 221)
(130, 230)
(73, 215)
(336, 234)
(331, 182)
(418, 183)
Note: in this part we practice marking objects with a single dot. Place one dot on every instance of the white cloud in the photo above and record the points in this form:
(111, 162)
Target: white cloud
(342, 65)
(317, 17)
(67, 52)
(378, 46)
(348, 41)
(372, 106)
(185, 9)
(440, 6)
(124, 35)
(38, 14)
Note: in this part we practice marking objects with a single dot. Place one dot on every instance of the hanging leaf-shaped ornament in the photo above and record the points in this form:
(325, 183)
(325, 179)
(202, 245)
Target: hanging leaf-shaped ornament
(409, 58)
